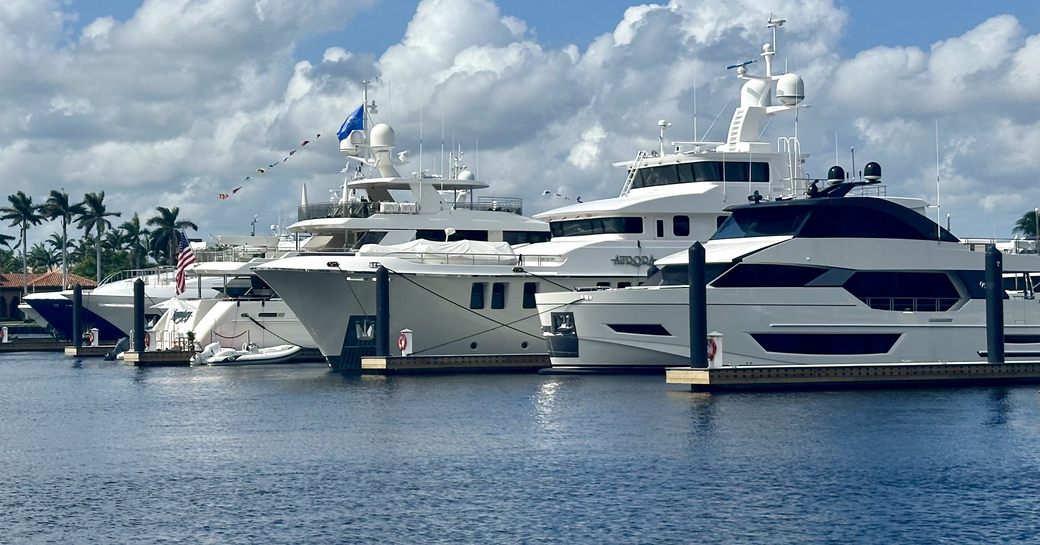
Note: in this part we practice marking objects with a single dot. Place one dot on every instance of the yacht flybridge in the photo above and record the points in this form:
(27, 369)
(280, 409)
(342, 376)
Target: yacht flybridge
(829, 279)
(480, 301)
(379, 207)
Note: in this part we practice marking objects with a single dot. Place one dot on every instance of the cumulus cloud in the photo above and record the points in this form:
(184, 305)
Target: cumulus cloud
(184, 98)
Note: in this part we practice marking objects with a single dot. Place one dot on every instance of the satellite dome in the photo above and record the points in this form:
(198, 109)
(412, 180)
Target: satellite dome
(872, 172)
(790, 89)
(836, 175)
(382, 136)
(466, 175)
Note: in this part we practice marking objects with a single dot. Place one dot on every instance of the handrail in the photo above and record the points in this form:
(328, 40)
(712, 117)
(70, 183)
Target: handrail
(134, 273)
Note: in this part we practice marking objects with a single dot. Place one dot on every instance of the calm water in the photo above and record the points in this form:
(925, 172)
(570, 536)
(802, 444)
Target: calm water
(94, 452)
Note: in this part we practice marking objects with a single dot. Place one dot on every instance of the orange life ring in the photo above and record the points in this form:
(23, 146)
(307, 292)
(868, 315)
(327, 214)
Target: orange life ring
(1, 334)
(402, 342)
(147, 339)
(713, 349)
(89, 337)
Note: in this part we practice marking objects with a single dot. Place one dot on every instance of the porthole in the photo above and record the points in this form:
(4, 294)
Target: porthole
(473, 345)
(523, 345)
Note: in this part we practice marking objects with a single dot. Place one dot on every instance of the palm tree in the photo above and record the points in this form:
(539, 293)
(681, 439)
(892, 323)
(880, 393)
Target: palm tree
(165, 233)
(94, 217)
(58, 207)
(42, 258)
(1027, 226)
(135, 237)
(22, 213)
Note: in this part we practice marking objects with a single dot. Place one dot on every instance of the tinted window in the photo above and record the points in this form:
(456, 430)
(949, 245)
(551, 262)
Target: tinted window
(530, 288)
(438, 235)
(826, 343)
(903, 291)
(596, 226)
(681, 226)
(640, 329)
(476, 295)
(704, 171)
(498, 295)
(854, 222)
(525, 237)
(762, 222)
(660, 228)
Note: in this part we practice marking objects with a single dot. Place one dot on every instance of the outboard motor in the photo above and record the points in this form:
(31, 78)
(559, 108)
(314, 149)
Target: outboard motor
(118, 349)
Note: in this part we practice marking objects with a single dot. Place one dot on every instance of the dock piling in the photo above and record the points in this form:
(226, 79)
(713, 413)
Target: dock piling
(698, 308)
(994, 306)
(139, 316)
(382, 312)
(77, 316)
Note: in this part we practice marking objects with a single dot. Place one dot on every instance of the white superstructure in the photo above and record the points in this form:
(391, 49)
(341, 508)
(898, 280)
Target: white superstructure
(830, 279)
(467, 304)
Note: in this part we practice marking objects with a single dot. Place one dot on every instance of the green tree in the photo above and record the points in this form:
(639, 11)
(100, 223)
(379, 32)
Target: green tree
(22, 214)
(1026, 225)
(42, 259)
(164, 236)
(59, 207)
(136, 239)
(95, 217)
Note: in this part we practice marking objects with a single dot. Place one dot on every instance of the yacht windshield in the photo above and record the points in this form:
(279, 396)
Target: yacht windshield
(596, 226)
(702, 171)
(761, 222)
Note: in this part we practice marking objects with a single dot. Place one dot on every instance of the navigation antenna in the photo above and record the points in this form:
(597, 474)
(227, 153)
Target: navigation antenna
(774, 24)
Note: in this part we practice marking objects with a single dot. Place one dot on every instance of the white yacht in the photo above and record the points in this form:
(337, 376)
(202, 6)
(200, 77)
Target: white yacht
(829, 279)
(378, 207)
(244, 311)
(481, 301)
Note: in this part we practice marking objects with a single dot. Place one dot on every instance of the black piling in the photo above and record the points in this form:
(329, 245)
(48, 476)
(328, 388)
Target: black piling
(382, 312)
(139, 315)
(994, 306)
(77, 316)
(698, 308)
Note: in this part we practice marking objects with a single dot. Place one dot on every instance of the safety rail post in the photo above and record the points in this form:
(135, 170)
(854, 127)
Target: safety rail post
(698, 308)
(77, 316)
(994, 306)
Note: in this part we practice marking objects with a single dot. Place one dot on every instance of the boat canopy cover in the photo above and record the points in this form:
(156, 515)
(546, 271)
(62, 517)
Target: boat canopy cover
(423, 246)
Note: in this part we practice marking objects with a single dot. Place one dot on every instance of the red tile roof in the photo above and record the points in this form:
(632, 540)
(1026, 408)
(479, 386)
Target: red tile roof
(50, 279)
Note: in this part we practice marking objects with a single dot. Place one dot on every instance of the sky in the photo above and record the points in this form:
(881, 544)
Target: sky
(171, 102)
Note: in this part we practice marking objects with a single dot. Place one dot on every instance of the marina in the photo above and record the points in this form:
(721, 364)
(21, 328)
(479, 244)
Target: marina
(583, 272)
(106, 452)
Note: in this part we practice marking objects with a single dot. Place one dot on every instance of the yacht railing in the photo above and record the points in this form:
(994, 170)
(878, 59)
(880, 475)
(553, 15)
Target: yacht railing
(364, 209)
(448, 258)
(136, 273)
(233, 254)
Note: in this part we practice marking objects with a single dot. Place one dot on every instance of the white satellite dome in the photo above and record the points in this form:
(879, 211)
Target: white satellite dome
(790, 89)
(382, 136)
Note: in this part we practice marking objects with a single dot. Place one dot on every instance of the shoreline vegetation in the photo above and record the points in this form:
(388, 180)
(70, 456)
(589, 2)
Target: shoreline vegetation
(133, 244)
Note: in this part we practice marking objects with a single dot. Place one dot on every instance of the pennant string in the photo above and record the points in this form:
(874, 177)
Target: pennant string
(261, 171)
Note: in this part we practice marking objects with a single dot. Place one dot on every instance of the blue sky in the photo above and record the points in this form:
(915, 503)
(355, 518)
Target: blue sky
(172, 101)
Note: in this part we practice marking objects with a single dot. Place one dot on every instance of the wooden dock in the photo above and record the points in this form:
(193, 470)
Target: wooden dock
(88, 351)
(510, 363)
(34, 346)
(881, 375)
(159, 358)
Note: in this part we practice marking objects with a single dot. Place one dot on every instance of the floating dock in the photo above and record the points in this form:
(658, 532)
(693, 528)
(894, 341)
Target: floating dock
(455, 364)
(881, 375)
(43, 345)
(159, 358)
(88, 351)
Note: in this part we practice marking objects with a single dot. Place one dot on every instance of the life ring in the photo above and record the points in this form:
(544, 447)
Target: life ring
(713, 349)
(147, 339)
(402, 342)
(2, 329)
(89, 337)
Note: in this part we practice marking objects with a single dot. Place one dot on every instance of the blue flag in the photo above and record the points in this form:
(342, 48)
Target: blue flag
(354, 122)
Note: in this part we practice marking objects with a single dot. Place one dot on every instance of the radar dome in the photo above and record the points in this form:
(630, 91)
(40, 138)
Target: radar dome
(836, 175)
(790, 89)
(382, 136)
(466, 175)
(872, 172)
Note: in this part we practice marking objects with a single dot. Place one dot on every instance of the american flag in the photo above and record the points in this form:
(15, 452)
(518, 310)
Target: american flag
(184, 258)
